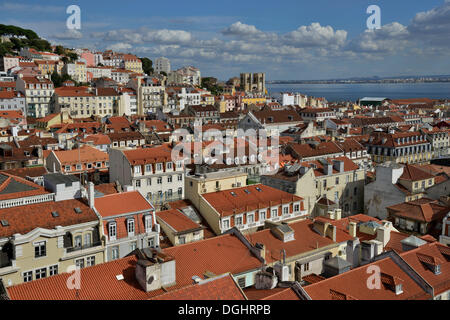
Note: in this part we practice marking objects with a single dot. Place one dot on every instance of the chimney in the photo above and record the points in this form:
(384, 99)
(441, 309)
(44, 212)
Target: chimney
(261, 249)
(91, 194)
(266, 279)
(331, 232)
(337, 214)
(383, 235)
(154, 270)
(352, 227)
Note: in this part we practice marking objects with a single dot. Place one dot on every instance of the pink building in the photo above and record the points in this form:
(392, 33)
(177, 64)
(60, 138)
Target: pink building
(89, 57)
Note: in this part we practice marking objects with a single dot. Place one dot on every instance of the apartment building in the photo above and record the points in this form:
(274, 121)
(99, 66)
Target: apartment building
(248, 208)
(7, 62)
(323, 184)
(403, 147)
(317, 114)
(38, 91)
(12, 101)
(77, 71)
(206, 182)
(215, 256)
(297, 99)
(85, 159)
(151, 171)
(178, 227)
(128, 223)
(151, 94)
(274, 122)
(162, 64)
(132, 63)
(82, 102)
(422, 216)
(99, 72)
(395, 183)
(44, 237)
(186, 75)
(440, 141)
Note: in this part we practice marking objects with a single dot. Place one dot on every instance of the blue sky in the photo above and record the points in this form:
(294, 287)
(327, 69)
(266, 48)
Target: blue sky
(287, 39)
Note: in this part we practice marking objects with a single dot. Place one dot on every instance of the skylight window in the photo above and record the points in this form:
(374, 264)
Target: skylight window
(5, 223)
(78, 210)
(55, 214)
(233, 194)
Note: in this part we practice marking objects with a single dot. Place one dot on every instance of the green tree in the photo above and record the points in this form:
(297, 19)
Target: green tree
(6, 48)
(59, 50)
(72, 56)
(147, 65)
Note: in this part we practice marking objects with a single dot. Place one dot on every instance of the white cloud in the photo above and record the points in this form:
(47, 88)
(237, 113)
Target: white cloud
(316, 35)
(389, 38)
(16, 7)
(69, 34)
(119, 46)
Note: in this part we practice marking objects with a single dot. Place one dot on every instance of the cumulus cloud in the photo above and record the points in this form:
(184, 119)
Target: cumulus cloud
(432, 26)
(241, 44)
(119, 46)
(316, 35)
(239, 29)
(390, 37)
(143, 35)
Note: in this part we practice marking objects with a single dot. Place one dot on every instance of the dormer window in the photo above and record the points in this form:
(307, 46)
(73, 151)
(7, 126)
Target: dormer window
(437, 269)
(148, 223)
(112, 230)
(130, 227)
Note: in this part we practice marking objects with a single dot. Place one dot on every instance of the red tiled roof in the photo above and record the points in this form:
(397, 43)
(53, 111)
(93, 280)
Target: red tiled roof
(177, 220)
(106, 188)
(353, 284)
(414, 173)
(433, 254)
(97, 139)
(121, 203)
(271, 294)
(220, 288)
(218, 255)
(306, 239)
(24, 219)
(84, 154)
(225, 203)
(425, 210)
(307, 150)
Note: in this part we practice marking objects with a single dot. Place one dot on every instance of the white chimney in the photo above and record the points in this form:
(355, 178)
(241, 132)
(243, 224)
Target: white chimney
(352, 227)
(383, 235)
(91, 196)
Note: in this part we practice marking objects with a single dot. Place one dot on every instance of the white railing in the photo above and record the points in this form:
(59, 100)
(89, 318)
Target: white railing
(27, 200)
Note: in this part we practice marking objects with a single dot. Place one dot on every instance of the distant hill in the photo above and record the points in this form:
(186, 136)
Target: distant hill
(19, 38)
(11, 31)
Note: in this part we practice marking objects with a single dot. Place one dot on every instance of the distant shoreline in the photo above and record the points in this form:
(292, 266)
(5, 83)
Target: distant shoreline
(357, 82)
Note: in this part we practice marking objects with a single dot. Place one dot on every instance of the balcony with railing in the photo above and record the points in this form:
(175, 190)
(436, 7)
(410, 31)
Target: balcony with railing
(83, 247)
